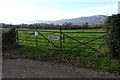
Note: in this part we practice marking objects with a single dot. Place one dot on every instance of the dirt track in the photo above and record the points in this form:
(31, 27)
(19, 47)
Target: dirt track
(24, 68)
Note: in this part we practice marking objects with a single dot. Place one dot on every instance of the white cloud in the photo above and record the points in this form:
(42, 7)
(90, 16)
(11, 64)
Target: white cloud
(49, 1)
(14, 10)
(102, 7)
(98, 10)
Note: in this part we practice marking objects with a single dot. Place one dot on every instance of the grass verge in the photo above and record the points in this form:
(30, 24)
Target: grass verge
(86, 60)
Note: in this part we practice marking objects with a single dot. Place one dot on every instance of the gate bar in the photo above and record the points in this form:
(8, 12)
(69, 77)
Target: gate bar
(47, 40)
(81, 43)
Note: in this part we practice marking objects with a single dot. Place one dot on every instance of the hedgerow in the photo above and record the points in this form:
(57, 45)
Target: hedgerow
(9, 39)
(113, 29)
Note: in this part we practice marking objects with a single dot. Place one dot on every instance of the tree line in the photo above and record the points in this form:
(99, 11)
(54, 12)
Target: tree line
(65, 26)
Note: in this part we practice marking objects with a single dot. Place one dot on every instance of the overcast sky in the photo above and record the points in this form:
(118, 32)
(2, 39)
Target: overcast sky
(17, 11)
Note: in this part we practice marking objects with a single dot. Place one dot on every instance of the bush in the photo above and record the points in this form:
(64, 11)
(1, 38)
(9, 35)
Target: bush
(113, 29)
(9, 39)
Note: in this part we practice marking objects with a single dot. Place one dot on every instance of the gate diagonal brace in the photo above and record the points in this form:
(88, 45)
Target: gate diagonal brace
(81, 43)
(27, 37)
(95, 39)
(48, 40)
(92, 40)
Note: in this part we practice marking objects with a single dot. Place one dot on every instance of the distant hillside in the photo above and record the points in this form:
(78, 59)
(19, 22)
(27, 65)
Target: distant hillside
(91, 20)
(97, 19)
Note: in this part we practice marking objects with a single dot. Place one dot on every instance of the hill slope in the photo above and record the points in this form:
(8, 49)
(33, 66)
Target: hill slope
(97, 19)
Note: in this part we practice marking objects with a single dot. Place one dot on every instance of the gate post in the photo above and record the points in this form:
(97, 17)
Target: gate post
(17, 35)
(36, 35)
(60, 39)
(36, 41)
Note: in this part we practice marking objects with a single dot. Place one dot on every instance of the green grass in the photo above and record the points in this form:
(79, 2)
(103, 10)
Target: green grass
(80, 56)
(86, 60)
(68, 42)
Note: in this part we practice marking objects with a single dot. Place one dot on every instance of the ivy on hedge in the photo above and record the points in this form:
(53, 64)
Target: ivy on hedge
(113, 29)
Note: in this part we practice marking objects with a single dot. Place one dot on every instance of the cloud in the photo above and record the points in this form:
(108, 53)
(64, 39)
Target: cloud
(99, 10)
(13, 11)
(102, 7)
(49, 1)
(19, 12)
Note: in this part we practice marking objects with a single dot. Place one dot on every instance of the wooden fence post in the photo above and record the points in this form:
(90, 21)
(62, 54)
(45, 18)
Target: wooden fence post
(63, 38)
(17, 39)
(36, 41)
(60, 39)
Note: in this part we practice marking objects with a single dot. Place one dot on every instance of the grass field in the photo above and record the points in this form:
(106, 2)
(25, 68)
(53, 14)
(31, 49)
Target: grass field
(72, 51)
(71, 39)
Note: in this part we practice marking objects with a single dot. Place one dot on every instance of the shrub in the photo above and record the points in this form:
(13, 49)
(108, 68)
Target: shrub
(9, 39)
(113, 29)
